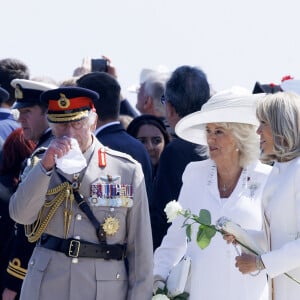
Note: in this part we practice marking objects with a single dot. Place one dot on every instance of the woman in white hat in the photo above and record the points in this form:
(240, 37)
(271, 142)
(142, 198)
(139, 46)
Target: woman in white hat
(229, 183)
(279, 131)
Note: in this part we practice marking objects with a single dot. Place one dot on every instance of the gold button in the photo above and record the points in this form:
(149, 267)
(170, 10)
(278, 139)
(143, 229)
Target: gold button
(75, 260)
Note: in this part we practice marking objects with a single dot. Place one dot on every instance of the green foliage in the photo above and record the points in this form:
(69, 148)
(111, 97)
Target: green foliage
(206, 231)
(204, 217)
(182, 296)
(188, 231)
(204, 235)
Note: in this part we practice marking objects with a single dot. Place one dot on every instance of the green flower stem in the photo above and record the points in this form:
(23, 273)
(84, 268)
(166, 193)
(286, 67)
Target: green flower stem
(195, 218)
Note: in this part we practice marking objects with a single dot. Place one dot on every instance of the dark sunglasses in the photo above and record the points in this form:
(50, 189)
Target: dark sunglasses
(163, 99)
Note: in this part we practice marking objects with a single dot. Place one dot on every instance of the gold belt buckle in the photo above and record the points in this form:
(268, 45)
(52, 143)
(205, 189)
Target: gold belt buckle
(74, 252)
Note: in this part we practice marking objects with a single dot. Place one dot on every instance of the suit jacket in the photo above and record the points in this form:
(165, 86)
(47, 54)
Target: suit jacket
(281, 202)
(127, 109)
(115, 137)
(6, 225)
(52, 274)
(7, 124)
(168, 181)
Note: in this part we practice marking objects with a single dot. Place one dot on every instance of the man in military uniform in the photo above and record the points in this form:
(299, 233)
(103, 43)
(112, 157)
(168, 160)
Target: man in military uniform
(33, 120)
(87, 215)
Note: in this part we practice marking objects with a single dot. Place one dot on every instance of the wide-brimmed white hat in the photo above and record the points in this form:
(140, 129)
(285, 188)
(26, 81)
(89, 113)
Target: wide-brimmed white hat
(235, 105)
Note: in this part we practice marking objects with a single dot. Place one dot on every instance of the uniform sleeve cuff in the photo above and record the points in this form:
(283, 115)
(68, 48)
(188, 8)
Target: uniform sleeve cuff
(48, 173)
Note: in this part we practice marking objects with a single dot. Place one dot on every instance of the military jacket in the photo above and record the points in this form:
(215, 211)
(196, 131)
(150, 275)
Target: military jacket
(53, 275)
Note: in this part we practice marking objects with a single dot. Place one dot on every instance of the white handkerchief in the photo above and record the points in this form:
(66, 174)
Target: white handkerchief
(73, 161)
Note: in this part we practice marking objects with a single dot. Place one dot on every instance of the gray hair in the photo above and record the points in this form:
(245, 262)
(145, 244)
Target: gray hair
(282, 112)
(154, 87)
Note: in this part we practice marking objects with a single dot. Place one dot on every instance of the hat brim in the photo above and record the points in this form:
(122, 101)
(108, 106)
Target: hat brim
(192, 127)
(292, 85)
(18, 105)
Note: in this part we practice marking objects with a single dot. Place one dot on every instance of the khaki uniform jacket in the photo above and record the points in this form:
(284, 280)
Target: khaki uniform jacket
(53, 275)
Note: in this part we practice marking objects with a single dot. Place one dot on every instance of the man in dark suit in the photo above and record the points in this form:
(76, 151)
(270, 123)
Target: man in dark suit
(186, 91)
(109, 130)
(10, 69)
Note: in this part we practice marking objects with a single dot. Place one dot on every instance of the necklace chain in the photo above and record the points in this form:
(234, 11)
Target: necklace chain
(226, 190)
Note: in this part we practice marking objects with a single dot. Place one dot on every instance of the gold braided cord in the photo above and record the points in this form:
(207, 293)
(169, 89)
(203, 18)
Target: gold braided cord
(35, 230)
(67, 117)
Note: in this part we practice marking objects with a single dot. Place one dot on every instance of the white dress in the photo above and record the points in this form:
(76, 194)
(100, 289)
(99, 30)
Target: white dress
(213, 274)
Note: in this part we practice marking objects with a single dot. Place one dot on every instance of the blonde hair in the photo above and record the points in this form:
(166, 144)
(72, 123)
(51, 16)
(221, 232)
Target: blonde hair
(282, 112)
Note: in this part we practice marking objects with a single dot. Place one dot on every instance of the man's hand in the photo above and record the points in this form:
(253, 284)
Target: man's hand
(56, 149)
(8, 294)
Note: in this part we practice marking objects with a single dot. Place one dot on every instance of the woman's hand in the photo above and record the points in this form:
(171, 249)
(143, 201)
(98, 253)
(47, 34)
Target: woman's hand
(229, 238)
(246, 263)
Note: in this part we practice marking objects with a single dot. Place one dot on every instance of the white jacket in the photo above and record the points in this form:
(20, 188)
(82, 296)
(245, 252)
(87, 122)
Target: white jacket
(214, 275)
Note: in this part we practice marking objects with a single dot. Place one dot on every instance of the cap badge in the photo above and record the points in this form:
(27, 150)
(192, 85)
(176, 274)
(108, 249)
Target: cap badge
(111, 225)
(63, 101)
(18, 92)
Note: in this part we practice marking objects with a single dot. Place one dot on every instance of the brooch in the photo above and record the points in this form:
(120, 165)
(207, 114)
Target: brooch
(111, 225)
(253, 187)
(63, 101)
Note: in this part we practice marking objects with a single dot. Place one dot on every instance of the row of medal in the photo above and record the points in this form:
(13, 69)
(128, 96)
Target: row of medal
(111, 195)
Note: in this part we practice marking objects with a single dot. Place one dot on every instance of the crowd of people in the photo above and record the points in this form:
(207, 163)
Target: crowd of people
(85, 179)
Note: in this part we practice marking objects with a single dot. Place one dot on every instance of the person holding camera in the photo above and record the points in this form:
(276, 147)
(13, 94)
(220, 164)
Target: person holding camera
(102, 64)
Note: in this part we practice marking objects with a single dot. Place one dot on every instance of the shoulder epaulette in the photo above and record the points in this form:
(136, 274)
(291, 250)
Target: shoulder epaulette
(119, 154)
(38, 151)
(32, 161)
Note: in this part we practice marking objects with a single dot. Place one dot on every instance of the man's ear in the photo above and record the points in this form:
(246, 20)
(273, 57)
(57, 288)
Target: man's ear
(148, 103)
(170, 110)
(171, 115)
(95, 124)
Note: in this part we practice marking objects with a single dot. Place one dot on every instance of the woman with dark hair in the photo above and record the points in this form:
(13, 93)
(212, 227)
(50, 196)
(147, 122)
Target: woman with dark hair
(152, 132)
(15, 150)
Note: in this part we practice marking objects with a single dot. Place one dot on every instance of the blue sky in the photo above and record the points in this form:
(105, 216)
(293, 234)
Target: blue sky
(235, 42)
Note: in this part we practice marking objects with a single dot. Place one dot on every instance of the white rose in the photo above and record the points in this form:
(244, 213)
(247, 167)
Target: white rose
(160, 297)
(172, 210)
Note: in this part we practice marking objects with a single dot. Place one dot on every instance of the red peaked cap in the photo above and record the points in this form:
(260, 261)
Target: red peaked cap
(69, 104)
